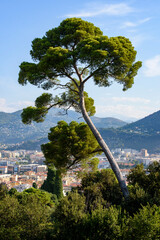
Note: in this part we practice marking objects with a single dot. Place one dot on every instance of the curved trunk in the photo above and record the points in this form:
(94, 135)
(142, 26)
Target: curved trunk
(105, 148)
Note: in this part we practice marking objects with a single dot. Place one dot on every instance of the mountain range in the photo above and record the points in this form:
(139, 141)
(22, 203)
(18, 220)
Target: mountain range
(144, 133)
(13, 131)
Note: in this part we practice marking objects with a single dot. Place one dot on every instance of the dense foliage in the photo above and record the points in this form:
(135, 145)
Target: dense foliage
(70, 145)
(25, 215)
(53, 183)
(95, 211)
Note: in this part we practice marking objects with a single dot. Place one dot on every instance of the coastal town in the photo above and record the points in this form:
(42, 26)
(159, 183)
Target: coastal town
(21, 169)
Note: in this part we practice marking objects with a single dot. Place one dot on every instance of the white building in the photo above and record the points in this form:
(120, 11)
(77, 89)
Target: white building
(22, 187)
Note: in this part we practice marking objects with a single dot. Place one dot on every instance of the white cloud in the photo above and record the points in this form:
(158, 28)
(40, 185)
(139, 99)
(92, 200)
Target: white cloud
(152, 67)
(125, 108)
(4, 107)
(128, 24)
(107, 9)
(23, 104)
(135, 24)
(144, 20)
(123, 111)
(12, 107)
(131, 99)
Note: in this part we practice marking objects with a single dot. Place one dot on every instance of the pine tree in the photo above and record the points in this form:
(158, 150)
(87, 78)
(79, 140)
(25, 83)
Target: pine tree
(53, 183)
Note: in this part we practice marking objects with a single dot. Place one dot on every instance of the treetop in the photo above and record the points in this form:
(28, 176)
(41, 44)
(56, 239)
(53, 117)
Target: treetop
(79, 44)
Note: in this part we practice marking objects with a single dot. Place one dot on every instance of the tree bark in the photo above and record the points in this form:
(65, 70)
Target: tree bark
(105, 148)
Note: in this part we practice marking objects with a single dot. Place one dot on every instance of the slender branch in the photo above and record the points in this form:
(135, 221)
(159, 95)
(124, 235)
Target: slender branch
(91, 75)
(73, 80)
(78, 160)
(55, 104)
(73, 90)
(75, 161)
(85, 69)
(97, 150)
(78, 74)
(66, 110)
(73, 100)
(64, 86)
(60, 104)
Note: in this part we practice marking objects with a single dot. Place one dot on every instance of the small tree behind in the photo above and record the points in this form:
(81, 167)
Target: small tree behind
(53, 183)
(71, 145)
(34, 185)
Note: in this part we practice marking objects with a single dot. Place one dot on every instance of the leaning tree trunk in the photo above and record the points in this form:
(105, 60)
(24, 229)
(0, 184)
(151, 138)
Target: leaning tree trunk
(105, 149)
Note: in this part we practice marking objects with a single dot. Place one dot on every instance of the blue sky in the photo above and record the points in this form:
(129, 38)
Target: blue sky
(138, 20)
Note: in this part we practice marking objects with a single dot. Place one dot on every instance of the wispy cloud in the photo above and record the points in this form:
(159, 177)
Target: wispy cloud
(152, 67)
(131, 99)
(5, 107)
(123, 111)
(135, 24)
(120, 9)
(125, 108)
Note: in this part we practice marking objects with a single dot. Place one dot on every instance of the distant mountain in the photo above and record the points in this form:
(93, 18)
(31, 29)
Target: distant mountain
(144, 133)
(12, 130)
(148, 125)
(107, 122)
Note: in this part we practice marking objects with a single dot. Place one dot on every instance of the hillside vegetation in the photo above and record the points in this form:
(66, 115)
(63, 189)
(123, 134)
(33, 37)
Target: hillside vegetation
(12, 130)
(144, 133)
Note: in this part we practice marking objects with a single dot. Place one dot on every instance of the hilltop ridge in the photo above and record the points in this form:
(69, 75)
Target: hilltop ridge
(144, 133)
(12, 130)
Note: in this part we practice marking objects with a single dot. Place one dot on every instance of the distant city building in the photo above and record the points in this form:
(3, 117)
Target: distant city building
(144, 153)
(117, 150)
(22, 187)
(3, 169)
(103, 164)
(10, 170)
(27, 167)
(41, 168)
(5, 177)
(4, 163)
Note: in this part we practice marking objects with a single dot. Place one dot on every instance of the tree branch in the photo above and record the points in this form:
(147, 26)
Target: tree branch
(76, 69)
(73, 90)
(64, 86)
(75, 161)
(91, 75)
(85, 69)
(97, 150)
(73, 80)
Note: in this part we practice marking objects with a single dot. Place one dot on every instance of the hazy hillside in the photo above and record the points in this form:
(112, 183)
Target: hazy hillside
(108, 122)
(144, 133)
(116, 138)
(12, 130)
(148, 125)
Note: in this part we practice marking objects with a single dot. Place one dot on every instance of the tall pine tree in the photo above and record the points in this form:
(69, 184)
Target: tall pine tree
(53, 183)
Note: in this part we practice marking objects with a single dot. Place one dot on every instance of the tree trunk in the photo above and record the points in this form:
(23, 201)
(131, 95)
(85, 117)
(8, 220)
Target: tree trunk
(105, 148)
